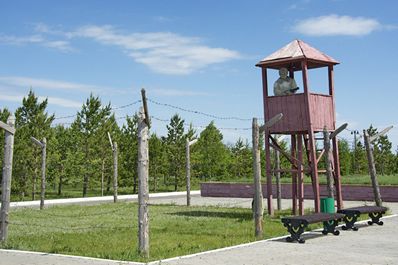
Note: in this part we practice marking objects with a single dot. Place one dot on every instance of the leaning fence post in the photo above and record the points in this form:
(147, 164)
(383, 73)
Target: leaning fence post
(43, 146)
(188, 168)
(115, 170)
(143, 169)
(43, 172)
(7, 174)
(329, 173)
(258, 194)
(372, 169)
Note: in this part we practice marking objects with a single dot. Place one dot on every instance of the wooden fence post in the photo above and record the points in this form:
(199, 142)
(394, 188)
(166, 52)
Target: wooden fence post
(115, 171)
(278, 180)
(372, 169)
(102, 176)
(143, 194)
(7, 174)
(43, 146)
(258, 194)
(43, 172)
(328, 162)
(188, 168)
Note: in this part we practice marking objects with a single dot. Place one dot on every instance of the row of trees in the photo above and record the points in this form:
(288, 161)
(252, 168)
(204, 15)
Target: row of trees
(79, 155)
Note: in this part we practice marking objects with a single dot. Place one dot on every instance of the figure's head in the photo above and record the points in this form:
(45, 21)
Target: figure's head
(283, 72)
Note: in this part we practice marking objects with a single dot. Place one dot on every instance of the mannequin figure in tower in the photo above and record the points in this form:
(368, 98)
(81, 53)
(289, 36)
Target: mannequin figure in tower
(285, 85)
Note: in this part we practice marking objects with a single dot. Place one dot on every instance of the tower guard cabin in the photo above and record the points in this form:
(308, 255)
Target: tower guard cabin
(304, 115)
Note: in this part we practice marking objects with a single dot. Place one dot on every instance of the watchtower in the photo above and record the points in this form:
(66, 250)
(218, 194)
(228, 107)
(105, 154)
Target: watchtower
(304, 115)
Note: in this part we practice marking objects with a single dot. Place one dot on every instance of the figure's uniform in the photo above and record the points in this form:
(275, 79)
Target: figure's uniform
(284, 86)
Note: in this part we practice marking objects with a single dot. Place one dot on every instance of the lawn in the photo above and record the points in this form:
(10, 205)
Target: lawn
(110, 230)
(352, 179)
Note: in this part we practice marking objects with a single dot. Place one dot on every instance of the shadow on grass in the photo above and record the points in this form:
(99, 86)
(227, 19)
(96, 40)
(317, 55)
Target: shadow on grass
(232, 215)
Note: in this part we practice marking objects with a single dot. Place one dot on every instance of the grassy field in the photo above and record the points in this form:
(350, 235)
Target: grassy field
(353, 179)
(76, 191)
(110, 230)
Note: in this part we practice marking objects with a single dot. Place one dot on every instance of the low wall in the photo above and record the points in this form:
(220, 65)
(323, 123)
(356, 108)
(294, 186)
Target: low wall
(350, 192)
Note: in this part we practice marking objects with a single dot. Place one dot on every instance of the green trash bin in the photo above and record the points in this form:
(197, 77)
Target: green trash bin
(327, 205)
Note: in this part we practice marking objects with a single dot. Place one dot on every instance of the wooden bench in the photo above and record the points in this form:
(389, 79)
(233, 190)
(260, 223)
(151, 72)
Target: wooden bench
(352, 214)
(296, 225)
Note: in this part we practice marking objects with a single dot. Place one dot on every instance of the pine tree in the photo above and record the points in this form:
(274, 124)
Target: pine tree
(129, 153)
(31, 120)
(175, 148)
(213, 154)
(345, 157)
(89, 121)
(157, 160)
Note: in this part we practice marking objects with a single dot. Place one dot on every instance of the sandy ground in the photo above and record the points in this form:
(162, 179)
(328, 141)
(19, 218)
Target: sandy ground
(370, 245)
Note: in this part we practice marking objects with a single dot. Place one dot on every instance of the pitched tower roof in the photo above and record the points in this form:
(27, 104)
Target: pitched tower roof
(295, 52)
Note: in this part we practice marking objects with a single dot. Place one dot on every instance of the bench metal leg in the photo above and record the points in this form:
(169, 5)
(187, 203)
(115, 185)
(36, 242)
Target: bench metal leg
(295, 229)
(330, 227)
(350, 219)
(375, 218)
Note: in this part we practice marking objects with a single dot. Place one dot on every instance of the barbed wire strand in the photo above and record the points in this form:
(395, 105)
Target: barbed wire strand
(198, 112)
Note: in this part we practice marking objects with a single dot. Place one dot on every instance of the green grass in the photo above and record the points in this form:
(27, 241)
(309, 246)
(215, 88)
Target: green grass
(110, 230)
(76, 191)
(353, 179)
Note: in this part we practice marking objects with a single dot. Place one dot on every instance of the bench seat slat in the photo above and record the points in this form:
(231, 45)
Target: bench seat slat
(316, 217)
(364, 209)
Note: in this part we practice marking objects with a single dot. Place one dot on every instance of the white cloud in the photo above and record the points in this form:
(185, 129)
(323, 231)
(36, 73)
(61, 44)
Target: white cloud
(27, 82)
(333, 25)
(11, 98)
(63, 46)
(163, 52)
(13, 40)
(62, 102)
(176, 93)
(51, 100)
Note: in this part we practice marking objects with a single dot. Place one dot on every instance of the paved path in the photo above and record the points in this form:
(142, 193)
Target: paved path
(370, 245)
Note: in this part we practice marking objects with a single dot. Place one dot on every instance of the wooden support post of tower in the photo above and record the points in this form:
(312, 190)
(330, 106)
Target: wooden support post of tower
(278, 180)
(9, 128)
(294, 175)
(188, 168)
(265, 129)
(300, 175)
(143, 190)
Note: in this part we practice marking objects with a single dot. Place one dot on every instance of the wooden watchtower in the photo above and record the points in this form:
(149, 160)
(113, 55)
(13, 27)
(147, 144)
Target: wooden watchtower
(304, 115)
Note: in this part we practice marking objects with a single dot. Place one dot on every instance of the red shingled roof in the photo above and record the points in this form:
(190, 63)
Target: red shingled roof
(297, 50)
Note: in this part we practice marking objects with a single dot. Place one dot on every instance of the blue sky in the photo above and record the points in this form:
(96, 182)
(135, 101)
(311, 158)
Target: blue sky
(198, 55)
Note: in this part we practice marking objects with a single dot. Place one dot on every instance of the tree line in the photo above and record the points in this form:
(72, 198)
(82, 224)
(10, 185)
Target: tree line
(79, 155)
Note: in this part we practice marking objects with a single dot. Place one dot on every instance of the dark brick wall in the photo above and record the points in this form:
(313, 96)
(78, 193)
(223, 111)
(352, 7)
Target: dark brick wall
(350, 192)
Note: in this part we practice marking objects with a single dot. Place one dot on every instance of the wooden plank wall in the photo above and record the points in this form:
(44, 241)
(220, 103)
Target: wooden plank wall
(294, 113)
(322, 112)
(295, 116)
